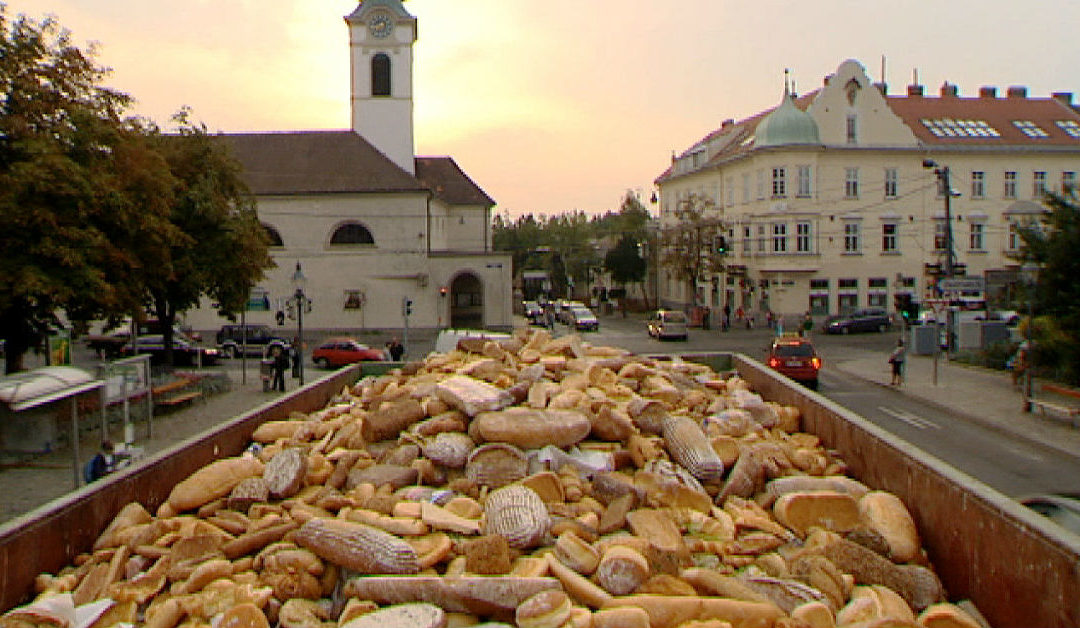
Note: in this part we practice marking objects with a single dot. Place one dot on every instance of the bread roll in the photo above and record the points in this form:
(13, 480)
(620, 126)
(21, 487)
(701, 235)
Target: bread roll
(885, 514)
(946, 616)
(547, 609)
(830, 510)
(626, 617)
(622, 570)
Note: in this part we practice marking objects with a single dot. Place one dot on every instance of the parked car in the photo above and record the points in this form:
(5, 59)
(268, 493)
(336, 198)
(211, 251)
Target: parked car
(110, 344)
(185, 352)
(534, 313)
(667, 324)
(230, 339)
(335, 352)
(871, 319)
(562, 311)
(795, 357)
(582, 319)
(1063, 509)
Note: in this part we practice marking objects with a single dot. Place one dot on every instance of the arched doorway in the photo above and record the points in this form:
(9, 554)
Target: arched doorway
(466, 302)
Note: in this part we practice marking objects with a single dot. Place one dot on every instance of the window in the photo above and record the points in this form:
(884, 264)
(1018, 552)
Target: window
(1010, 184)
(1030, 129)
(878, 290)
(354, 299)
(848, 302)
(876, 299)
(847, 284)
(888, 237)
(747, 234)
(819, 304)
(779, 182)
(878, 282)
(1014, 236)
(760, 184)
(939, 234)
(746, 187)
(1038, 181)
(851, 237)
(779, 237)
(947, 127)
(272, 235)
(978, 184)
(729, 185)
(852, 129)
(802, 237)
(804, 182)
(891, 180)
(978, 229)
(851, 182)
(352, 233)
(761, 238)
(819, 284)
(1071, 127)
(380, 75)
(1068, 181)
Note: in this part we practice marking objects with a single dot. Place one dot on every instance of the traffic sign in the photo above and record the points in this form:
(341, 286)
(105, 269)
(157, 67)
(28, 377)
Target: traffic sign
(962, 284)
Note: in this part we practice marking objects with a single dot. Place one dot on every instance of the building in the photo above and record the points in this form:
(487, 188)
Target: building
(371, 224)
(828, 205)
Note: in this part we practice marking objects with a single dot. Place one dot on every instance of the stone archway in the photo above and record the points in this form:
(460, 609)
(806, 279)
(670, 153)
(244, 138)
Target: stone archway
(466, 302)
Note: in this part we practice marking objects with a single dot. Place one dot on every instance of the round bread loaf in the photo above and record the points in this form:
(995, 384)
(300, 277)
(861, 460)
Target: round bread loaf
(547, 609)
(622, 570)
(517, 514)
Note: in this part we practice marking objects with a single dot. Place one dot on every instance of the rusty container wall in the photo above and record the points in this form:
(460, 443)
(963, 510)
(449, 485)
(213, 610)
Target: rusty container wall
(50, 537)
(1019, 569)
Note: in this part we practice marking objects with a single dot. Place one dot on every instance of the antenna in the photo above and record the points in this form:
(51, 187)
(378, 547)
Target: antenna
(787, 87)
(883, 69)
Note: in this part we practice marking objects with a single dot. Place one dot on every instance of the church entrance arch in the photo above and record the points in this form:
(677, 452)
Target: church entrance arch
(466, 302)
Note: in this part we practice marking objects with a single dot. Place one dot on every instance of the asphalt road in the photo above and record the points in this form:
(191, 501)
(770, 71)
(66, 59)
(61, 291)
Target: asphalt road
(1012, 466)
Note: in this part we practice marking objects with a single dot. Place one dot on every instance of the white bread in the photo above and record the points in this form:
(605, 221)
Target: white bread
(885, 514)
(830, 510)
(547, 609)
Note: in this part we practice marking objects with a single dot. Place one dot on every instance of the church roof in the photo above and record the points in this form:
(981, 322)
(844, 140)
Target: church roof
(449, 183)
(394, 6)
(313, 162)
(787, 124)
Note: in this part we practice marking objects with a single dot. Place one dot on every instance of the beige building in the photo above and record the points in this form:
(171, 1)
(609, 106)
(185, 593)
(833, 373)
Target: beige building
(829, 208)
(371, 224)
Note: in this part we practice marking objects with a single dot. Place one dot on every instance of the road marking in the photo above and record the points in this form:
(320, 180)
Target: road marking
(911, 419)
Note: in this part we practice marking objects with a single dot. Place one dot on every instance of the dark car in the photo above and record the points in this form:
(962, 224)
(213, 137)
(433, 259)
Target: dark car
(230, 339)
(871, 319)
(795, 357)
(185, 352)
(583, 319)
(1063, 509)
(336, 352)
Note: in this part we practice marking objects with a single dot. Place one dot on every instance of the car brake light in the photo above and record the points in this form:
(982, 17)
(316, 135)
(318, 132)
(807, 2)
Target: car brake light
(774, 362)
(816, 362)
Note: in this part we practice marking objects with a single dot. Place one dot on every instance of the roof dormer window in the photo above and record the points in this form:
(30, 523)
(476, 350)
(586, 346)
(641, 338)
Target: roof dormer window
(1071, 127)
(1030, 129)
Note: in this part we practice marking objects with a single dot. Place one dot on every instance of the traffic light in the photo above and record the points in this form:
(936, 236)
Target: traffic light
(408, 306)
(905, 306)
(721, 245)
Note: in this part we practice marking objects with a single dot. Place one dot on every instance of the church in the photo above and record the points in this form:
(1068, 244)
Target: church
(378, 232)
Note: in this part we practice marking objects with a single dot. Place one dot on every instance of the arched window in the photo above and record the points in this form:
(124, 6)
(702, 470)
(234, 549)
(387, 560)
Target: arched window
(380, 75)
(273, 235)
(352, 233)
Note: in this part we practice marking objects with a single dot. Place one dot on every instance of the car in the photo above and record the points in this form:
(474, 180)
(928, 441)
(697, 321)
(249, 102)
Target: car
(1063, 509)
(448, 339)
(667, 324)
(230, 339)
(872, 319)
(562, 311)
(582, 319)
(110, 344)
(795, 357)
(335, 352)
(185, 352)
(534, 313)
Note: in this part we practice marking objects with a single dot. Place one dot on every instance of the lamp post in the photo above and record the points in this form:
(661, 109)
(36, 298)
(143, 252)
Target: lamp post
(1030, 274)
(302, 303)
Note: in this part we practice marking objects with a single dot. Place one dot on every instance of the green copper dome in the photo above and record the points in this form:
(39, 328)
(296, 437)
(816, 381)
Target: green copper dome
(787, 124)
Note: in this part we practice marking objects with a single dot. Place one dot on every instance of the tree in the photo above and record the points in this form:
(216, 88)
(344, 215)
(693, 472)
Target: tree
(219, 249)
(625, 264)
(59, 134)
(1052, 244)
(689, 246)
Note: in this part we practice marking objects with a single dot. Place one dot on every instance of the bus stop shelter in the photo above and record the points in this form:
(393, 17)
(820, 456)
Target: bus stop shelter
(32, 403)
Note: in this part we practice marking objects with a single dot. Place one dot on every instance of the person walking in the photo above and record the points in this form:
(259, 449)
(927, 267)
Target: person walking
(395, 349)
(896, 359)
(295, 354)
(725, 322)
(807, 324)
(281, 362)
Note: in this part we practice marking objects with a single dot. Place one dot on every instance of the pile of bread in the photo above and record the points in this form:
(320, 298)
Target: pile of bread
(536, 482)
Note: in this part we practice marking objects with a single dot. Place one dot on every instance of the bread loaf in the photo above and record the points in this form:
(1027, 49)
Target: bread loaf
(885, 514)
(547, 609)
(531, 429)
(214, 480)
(418, 615)
(667, 611)
(358, 547)
(494, 596)
(516, 513)
(838, 512)
(622, 570)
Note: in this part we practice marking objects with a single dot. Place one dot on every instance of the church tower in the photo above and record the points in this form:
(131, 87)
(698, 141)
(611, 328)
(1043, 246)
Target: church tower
(381, 38)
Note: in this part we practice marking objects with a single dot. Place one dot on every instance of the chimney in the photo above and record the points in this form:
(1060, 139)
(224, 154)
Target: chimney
(883, 88)
(1017, 91)
(914, 90)
(987, 91)
(825, 81)
(727, 123)
(948, 90)
(1064, 98)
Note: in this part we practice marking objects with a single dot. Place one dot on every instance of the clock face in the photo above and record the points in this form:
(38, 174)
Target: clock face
(380, 25)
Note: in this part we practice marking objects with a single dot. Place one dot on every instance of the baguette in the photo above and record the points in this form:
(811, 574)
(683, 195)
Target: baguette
(215, 480)
(495, 596)
(669, 611)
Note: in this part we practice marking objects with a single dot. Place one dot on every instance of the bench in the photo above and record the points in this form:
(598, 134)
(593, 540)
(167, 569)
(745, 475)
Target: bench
(175, 400)
(1061, 390)
(1056, 411)
(172, 394)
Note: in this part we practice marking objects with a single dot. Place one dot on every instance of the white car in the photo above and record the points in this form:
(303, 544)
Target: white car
(668, 324)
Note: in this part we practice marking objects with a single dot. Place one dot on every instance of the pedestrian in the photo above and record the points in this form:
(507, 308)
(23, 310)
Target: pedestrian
(807, 324)
(101, 464)
(549, 316)
(296, 354)
(1018, 364)
(725, 323)
(281, 362)
(896, 359)
(769, 318)
(396, 349)
(706, 313)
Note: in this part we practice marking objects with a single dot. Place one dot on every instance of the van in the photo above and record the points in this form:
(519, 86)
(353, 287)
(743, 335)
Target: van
(667, 324)
(447, 340)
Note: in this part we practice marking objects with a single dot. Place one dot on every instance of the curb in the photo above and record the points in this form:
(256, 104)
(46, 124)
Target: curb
(991, 425)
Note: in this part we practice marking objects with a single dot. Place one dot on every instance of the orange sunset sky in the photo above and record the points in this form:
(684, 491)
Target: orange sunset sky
(560, 104)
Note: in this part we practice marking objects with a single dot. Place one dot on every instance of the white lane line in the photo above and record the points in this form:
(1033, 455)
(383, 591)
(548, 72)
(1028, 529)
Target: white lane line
(911, 419)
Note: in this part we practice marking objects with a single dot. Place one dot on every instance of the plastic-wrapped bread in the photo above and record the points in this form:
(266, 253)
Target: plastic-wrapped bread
(358, 547)
(689, 447)
(517, 514)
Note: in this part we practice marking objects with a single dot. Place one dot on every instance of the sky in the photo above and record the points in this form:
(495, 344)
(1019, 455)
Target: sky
(560, 105)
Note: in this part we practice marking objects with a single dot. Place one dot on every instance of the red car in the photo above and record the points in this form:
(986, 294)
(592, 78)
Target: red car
(795, 357)
(336, 352)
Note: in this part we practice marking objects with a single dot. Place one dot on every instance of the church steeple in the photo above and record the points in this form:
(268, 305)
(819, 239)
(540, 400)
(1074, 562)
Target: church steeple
(381, 38)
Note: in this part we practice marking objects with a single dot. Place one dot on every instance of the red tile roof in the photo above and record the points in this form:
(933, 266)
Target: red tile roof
(999, 113)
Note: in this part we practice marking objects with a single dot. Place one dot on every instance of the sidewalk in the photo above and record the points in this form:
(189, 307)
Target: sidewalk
(980, 395)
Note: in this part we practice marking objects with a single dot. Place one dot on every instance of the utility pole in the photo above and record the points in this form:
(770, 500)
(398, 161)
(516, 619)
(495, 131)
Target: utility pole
(942, 173)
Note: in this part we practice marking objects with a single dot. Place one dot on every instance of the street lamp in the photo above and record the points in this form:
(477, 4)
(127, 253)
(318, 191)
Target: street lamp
(302, 303)
(1029, 272)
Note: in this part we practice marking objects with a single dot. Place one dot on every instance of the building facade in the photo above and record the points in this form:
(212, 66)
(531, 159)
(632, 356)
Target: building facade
(834, 200)
(371, 224)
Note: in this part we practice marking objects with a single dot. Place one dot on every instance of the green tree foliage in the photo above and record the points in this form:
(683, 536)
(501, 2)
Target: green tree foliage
(625, 263)
(688, 245)
(219, 249)
(1052, 244)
